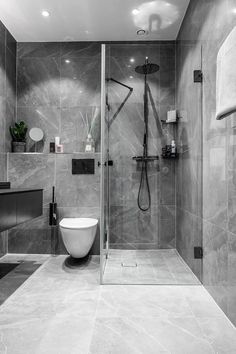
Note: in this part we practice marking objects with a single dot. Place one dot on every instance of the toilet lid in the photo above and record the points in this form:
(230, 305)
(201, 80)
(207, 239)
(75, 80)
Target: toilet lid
(78, 223)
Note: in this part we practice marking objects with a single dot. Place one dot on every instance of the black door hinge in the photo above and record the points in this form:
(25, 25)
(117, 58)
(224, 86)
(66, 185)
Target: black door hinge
(198, 252)
(107, 163)
(197, 76)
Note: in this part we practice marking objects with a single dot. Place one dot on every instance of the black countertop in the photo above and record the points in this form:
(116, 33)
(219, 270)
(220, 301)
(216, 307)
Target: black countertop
(19, 190)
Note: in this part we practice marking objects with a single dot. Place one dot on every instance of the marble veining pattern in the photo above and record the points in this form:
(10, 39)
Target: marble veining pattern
(206, 170)
(27, 265)
(68, 312)
(153, 267)
(130, 228)
(58, 90)
(7, 105)
(75, 194)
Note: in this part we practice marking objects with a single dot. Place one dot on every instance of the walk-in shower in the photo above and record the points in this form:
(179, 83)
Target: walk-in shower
(139, 186)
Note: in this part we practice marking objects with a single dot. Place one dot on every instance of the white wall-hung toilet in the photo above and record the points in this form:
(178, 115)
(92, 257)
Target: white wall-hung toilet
(78, 235)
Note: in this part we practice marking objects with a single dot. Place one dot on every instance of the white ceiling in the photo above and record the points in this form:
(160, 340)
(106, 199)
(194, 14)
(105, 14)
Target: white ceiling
(92, 20)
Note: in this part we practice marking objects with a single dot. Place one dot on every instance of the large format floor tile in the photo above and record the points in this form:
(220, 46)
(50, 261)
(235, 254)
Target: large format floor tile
(62, 308)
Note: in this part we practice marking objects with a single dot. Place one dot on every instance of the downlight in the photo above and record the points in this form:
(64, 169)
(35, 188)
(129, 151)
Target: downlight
(135, 12)
(45, 13)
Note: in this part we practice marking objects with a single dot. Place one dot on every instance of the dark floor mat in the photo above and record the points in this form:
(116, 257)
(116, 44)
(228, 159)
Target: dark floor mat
(6, 268)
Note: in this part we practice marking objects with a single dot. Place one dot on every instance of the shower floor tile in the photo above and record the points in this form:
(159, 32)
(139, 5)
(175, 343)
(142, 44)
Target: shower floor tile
(147, 267)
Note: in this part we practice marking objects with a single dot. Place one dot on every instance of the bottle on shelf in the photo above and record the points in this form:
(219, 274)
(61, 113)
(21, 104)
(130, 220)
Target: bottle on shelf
(89, 144)
(173, 147)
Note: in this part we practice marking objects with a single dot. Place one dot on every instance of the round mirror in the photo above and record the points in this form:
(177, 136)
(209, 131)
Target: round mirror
(36, 134)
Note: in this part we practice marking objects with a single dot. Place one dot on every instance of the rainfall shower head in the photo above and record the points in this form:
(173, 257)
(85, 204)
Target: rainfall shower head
(147, 68)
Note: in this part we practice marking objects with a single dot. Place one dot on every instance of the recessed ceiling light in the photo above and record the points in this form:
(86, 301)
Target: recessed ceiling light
(132, 60)
(135, 11)
(45, 13)
(67, 61)
(131, 77)
(234, 10)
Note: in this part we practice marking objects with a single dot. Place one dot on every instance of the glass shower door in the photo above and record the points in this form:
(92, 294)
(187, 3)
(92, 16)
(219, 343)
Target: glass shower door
(104, 180)
(156, 245)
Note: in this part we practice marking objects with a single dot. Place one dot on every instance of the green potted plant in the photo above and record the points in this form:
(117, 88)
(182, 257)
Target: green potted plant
(18, 134)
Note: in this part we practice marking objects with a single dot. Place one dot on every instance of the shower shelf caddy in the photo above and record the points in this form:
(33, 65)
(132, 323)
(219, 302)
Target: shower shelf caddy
(145, 158)
(165, 122)
(170, 157)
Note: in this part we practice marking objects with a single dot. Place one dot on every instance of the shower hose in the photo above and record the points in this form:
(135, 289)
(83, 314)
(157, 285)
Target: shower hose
(144, 182)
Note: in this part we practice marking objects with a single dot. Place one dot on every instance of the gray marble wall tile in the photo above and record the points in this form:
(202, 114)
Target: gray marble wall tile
(132, 228)
(7, 106)
(76, 190)
(122, 70)
(38, 82)
(10, 115)
(133, 50)
(68, 80)
(76, 123)
(2, 122)
(3, 166)
(215, 262)
(80, 81)
(32, 171)
(44, 117)
(231, 188)
(188, 236)
(167, 233)
(167, 182)
(167, 226)
(38, 50)
(2, 58)
(3, 243)
(218, 146)
(31, 237)
(7, 86)
(231, 124)
(66, 77)
(11, 43)
(10, 77)
(126, 138)
(231, 277)
(79, 49)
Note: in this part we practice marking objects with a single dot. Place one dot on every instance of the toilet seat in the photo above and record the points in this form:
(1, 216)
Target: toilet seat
(77, 223)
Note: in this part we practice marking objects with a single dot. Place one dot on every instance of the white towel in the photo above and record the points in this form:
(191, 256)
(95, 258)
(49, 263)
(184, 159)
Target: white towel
(226, 77)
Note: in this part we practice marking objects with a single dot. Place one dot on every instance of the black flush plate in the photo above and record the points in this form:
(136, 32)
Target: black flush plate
(197, 76)
(5, 185)
(198, 252)
(83, 166)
